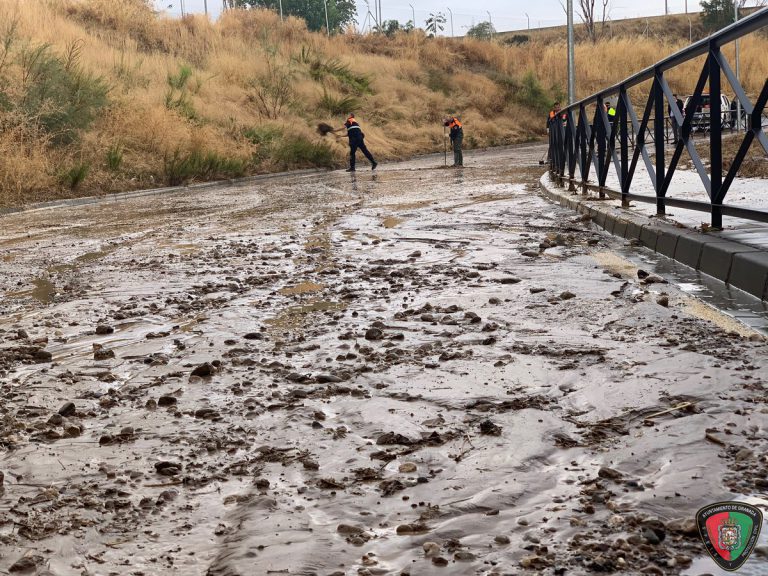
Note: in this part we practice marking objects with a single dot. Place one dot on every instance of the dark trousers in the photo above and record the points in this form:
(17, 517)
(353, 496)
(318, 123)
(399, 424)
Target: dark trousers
(458, 157)
(353, 146)
(675, 130)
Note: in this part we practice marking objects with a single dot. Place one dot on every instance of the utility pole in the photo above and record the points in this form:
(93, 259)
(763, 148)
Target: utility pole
(281, 10)
(738, 102)
(571, 57)
(413, 13)
(327, 27)
(666, 7)
(686, 6)
(490, 24)
(451, 13)
(205, 7)
(181, 5)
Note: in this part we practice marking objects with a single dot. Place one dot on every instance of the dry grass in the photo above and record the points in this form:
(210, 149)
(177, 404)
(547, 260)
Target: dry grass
(191, 99)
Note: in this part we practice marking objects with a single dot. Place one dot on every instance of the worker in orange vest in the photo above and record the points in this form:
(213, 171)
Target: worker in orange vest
(456, 135)
(356, 140)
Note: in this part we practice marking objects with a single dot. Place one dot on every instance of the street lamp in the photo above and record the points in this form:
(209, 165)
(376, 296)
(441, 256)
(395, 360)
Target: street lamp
(490, 24)
(281, 10)
(451, 13)
(738, 102)
(327, 27)
(571, 57)
(529, 20)
(413, 12)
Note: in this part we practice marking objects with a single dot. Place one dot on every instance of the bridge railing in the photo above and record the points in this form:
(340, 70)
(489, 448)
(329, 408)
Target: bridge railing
(586, 138)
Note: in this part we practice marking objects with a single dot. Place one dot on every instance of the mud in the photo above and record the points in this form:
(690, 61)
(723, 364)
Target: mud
(417, 371)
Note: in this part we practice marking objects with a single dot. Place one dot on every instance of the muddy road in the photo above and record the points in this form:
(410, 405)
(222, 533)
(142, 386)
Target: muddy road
(417, 371)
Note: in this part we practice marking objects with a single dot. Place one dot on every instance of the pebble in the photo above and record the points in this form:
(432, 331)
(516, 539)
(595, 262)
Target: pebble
(464, 556)
(205, 370)
(537, 290)
(2, 479)
(166, 401)
(407, 467)
(68, 409)
(431, 548)
(531, 254)
(495, 301)
(501, 539)
(567, 295)
(348, 529)
(663, 300)
(374, 334)
(103, 329)
(609, 473)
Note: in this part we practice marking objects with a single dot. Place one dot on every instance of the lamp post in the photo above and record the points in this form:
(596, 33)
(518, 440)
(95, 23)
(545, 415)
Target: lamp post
(451, 13)
(281, 10)
(738, 102)
(413, 15)
(529, 20)
(571, 57)
(327, 27)
(490, 24)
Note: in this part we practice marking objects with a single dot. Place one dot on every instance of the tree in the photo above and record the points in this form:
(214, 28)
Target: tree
(435, 23)
(390, 27)
(591, 12)
(482, 31)
(716, 14)
(340, 12)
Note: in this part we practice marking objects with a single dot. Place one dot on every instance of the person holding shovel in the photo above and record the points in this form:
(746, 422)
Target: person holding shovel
(456, 135)
(356, 140)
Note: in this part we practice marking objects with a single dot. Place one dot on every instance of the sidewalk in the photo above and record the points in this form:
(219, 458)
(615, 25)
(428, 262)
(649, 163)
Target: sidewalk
(737, 255)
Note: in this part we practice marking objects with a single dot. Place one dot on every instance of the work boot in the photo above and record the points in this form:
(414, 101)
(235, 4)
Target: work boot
(373, 166)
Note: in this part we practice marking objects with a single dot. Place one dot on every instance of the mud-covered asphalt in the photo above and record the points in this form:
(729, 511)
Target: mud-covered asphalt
(417, 371)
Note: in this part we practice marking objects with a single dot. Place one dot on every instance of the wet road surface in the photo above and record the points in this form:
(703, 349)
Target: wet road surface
(414, 371)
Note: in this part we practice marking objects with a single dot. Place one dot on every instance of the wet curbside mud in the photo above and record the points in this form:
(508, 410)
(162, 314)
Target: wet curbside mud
(739, 265)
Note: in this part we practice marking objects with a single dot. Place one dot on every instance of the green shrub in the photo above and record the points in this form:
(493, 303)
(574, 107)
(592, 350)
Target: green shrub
(75, 176)
(298, 152)
(359, 84)
(177, 96)
(179, 167)
(57, 93)
(114, 157)
(338, 105)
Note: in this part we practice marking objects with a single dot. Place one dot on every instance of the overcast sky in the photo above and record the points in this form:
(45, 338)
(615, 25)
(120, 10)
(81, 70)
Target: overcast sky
(505, 14)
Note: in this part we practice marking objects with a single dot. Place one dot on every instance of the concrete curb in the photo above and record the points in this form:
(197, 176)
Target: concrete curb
(118, 196)
(739, 265)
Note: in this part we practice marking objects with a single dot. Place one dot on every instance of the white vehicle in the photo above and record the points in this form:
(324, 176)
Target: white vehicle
(700, 119)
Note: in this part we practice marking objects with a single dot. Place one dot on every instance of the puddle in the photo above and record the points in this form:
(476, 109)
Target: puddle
(44, 291)
(93, 256)
(302, 288)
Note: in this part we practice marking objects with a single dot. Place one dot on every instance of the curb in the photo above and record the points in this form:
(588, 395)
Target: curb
(735, 264)
(116, 197)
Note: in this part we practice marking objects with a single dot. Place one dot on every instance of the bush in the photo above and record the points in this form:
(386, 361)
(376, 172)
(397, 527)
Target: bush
(298, 152)
(57, 93)
(75, 176)
(341, 105)
(115, 157)
(359, 84)
(177, 95)
(179, 168)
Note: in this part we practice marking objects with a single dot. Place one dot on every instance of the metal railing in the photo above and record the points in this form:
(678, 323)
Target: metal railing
(580, 142)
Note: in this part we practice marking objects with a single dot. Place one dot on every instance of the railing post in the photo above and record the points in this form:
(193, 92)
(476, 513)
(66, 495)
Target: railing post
(715, 135)
(624, 146)
(601, 137)
(659, 140)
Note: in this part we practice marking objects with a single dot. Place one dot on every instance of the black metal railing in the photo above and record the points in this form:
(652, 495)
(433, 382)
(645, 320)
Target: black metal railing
(588, 138)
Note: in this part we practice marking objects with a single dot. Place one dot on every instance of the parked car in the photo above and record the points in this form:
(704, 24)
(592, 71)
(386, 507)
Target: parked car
(700, 119)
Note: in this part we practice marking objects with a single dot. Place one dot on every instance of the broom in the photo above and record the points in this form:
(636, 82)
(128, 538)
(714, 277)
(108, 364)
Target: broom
(324, 129)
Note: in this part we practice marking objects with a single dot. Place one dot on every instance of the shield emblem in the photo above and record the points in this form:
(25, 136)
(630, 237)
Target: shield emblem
(730, 531)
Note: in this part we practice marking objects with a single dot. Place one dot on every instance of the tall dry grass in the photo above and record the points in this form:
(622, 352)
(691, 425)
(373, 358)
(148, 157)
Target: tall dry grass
(193, 99)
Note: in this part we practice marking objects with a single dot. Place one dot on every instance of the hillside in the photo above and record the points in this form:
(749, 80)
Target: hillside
(664, 28)
(98, 96)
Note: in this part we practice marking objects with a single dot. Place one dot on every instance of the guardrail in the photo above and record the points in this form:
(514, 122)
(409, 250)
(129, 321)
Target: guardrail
(585, 139)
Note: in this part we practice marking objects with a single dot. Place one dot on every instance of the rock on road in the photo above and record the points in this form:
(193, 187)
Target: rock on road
(415, 371)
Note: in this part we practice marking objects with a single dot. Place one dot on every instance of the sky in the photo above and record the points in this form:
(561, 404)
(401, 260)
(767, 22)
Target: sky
(505, 14)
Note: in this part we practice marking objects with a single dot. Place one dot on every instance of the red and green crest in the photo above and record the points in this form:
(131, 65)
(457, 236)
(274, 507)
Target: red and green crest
(730, 531)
